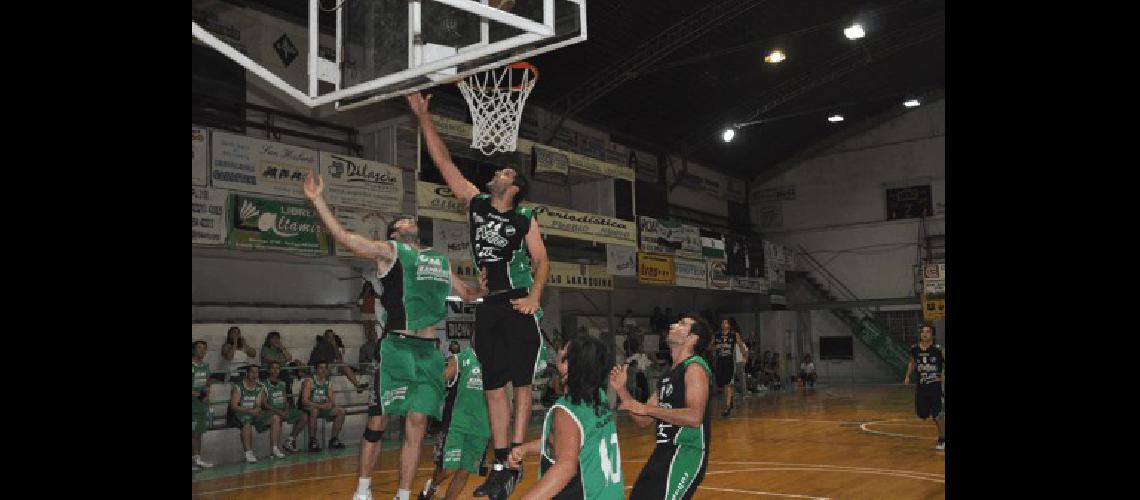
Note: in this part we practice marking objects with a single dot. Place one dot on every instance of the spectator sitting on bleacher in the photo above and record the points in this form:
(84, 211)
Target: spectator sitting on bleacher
(236, 354)
(329, 349)
(316, 398)
(272, 351)
(279, 404)
(201, 403)
(246, 401)
(369, 351)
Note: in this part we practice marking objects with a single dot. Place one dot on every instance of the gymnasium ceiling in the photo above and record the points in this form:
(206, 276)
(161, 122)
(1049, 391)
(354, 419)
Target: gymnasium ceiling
(686, 97)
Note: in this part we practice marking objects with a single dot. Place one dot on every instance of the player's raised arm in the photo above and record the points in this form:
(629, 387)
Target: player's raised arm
(460, 186)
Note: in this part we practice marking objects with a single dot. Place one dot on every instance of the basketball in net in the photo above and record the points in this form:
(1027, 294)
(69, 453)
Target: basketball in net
(495, 98)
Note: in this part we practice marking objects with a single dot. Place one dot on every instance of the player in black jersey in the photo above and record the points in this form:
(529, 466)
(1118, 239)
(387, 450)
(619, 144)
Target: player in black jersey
(930, 360)
(725, 345)
(509, 252)
(682, 413)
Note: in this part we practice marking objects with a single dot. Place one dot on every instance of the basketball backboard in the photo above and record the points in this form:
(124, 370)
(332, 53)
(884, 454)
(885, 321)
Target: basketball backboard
(389, 48)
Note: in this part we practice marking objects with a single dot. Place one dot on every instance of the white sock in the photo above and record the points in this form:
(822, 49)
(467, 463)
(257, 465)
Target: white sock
(364, 485)
(196, 458)
(427, 487)
(403, 494)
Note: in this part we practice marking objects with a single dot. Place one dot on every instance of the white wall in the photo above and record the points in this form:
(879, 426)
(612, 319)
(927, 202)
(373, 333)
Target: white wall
(236, 276)
(839, 210)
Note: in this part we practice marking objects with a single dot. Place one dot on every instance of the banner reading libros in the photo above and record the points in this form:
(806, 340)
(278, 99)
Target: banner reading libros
(258, 223)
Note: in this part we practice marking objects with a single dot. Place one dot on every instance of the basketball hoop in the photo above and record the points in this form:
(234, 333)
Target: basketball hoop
(495, 98)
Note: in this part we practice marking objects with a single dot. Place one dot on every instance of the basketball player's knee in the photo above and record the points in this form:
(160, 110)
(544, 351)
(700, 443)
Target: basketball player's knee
(372, 436)
(416, 420)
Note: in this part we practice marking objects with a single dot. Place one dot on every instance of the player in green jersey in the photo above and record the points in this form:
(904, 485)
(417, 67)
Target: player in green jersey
(416, 281)
(278, 403)
(247, 398)
(463, 443)
(585, 462)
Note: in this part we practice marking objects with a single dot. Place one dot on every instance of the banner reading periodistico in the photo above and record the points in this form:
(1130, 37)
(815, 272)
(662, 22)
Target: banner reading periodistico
(437, 201)
(356, 182)
(257, 166)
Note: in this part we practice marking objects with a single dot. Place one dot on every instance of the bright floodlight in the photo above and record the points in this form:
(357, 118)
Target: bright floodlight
(910, 103)
(835, 118)
(774, 57)
(728, 134)
(855, 32)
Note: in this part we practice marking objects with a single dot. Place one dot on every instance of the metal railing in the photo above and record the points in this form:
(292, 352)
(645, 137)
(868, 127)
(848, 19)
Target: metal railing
(860, 319)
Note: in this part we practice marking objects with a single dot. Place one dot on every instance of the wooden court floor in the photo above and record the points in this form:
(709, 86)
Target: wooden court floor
(828, 442)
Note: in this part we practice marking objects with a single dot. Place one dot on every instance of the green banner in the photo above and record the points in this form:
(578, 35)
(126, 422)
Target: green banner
(262, 224)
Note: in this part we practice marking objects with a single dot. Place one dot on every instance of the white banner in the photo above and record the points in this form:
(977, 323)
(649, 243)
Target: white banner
(690, 237)
(691, 272)
(621, 260)
(370, 224)
(749, 284)
(257, 166)
(356, 182)
(667, 236)
(200, 156)
(934, 278)
(718, 275)
(209, 216)
(453, 239)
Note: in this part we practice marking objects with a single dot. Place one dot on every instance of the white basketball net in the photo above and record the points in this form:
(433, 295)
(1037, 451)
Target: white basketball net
(496, 104)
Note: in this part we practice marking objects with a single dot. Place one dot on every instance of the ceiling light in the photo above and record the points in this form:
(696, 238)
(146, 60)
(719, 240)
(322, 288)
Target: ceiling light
(774, 57)
(835, 118)
(728, 134)
(855, 32)
(910, 103)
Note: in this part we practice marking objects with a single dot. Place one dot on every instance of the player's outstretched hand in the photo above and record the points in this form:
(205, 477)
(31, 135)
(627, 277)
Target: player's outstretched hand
(618, 376)
(419, 103)
(313, 185)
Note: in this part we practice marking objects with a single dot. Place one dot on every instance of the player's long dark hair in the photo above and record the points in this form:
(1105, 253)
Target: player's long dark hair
(588, 369)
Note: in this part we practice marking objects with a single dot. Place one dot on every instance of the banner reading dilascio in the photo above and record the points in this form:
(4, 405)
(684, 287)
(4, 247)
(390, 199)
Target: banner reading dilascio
(264, 224)
(356, 182)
